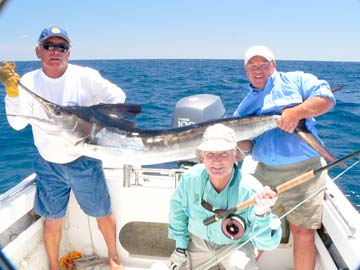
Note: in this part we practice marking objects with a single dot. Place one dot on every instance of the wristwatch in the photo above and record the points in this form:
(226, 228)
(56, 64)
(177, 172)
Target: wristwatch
(181, 250)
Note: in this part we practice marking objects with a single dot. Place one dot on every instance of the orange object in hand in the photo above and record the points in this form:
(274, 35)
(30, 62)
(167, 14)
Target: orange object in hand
(9, 78)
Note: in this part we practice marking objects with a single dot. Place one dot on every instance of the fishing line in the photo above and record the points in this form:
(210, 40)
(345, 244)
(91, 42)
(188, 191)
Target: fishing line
(91, 237)
(230, 249)
(319, 190)
(298, 180)
(226, 252)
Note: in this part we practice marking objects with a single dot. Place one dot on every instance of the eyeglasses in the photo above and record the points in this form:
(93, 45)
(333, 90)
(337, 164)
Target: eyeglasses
(207, 205)
(61, 47)
(261, 67)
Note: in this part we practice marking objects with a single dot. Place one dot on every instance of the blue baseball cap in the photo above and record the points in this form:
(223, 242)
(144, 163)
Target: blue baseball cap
(53, 31)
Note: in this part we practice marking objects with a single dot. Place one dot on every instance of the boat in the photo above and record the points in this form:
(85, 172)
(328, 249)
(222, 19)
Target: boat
(140, 198)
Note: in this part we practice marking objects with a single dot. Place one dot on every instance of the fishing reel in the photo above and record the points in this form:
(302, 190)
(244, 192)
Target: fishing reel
(233, 226)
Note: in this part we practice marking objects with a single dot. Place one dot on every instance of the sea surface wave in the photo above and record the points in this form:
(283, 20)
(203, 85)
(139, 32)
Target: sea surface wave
(158, 84)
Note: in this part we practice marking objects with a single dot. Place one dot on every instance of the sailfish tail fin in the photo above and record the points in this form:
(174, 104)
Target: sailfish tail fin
(315, 144)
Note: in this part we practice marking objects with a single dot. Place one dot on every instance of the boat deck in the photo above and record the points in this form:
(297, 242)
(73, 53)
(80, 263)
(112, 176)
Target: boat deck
(140, 199)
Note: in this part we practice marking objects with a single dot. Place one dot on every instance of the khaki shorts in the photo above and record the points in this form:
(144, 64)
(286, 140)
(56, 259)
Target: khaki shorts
(309, 213)
(203, 252)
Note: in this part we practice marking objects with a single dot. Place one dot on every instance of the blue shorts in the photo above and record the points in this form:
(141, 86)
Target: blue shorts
(54, 181)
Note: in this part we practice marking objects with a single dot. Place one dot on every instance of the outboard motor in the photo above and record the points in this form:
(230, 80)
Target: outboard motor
(196, 109)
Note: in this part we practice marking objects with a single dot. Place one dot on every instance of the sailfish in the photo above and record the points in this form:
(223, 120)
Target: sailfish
(99, 131)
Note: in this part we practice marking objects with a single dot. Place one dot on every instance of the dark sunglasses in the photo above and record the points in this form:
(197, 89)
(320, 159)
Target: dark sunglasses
(61, 47)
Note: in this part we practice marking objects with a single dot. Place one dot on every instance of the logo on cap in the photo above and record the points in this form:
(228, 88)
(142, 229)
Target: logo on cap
(55, 30)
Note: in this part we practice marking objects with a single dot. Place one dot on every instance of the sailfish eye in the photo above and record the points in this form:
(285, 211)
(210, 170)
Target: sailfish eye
(57, 112)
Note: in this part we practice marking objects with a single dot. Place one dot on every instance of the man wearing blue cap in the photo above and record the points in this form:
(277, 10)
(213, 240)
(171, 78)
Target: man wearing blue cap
(58, 168)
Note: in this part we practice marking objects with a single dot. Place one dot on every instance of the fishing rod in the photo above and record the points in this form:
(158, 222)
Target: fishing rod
(235, 246)
(280, 188)
(2, 4)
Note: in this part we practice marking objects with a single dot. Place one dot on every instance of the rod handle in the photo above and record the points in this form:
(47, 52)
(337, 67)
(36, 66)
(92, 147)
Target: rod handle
(245, 204)
(295, 181)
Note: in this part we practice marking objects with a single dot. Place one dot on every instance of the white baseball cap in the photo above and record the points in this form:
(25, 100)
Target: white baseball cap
(218, 138)
(259, 50)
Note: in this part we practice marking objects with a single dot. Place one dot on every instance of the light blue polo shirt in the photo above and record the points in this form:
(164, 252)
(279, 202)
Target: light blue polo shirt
(282, 90)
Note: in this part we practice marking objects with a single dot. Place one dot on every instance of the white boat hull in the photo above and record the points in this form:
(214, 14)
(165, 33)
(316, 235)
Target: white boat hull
(141, 206)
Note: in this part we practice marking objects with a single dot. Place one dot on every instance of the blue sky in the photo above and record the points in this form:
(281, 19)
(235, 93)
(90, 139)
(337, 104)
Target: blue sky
(326, 30)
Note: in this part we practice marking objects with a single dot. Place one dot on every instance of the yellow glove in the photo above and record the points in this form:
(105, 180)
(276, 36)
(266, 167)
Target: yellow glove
(9, 78)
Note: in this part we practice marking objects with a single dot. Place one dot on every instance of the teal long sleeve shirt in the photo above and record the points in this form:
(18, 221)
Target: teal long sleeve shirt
(187, 213)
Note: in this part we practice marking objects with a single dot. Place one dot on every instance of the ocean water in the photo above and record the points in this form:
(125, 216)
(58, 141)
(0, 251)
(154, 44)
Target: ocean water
(158, 84)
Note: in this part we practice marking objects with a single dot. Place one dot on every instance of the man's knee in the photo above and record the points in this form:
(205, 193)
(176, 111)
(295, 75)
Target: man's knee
(105, 221)
(302, 234)
(52, 225)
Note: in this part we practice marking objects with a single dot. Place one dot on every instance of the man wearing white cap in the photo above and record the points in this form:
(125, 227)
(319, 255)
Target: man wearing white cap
(211, 188)
(281, 154)
(58, 167)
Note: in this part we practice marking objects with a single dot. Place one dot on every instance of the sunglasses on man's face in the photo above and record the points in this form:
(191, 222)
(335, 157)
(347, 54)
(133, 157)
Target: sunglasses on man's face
(61, 47)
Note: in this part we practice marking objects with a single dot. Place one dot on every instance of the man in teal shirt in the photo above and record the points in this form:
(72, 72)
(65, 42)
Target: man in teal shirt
(281, 154)
(207, 188)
